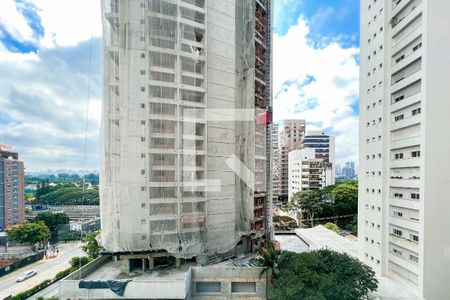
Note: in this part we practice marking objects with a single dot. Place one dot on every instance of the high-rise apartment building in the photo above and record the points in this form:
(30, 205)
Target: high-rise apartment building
(186, 165)
(324, 145)
(12, 209)
(291, 134)
(404, 166)
(307, 172)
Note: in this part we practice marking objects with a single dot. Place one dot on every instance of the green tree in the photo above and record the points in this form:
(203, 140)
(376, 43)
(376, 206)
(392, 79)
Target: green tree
(322, 275)
(333, 227)
(91, 246)
(52, 220)
(309, 202)
(268, 259)
(345, 198)
(30, 233)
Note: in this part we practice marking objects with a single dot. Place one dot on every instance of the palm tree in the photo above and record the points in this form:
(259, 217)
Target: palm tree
(268, 260)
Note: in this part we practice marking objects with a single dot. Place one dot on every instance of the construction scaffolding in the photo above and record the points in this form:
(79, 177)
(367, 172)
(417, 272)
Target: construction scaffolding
(171, 73)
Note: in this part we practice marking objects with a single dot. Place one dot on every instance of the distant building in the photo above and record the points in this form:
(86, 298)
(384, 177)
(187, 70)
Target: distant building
(324, 145)
(348, 171)
(291, 133)
(307, 172)
(12, 209)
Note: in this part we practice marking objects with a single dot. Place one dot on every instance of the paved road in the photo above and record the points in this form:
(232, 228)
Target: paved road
(46, 269)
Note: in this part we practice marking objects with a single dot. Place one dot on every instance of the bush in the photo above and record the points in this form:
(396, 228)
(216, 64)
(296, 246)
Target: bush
(332, 227)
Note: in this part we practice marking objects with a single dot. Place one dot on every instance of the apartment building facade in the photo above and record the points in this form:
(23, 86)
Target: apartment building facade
(324, 145)
(403, 169)
(307, 172)
(186, 122)
(290, 136)
(12, 206)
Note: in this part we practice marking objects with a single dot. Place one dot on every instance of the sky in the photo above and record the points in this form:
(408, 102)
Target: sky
(51, 76)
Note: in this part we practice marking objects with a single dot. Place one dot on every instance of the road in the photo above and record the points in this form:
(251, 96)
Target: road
(46, 269)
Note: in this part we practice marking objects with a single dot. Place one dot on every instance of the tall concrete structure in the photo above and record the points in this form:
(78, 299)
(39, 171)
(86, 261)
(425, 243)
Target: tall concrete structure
(324, 145)
(307, 172)
(12, 207)
(186, 128)
(403, 168)
(291, 134)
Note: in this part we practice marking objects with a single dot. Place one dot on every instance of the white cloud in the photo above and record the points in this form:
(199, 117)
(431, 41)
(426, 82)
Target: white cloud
(14, 22)
(327, 101)
(68, 22)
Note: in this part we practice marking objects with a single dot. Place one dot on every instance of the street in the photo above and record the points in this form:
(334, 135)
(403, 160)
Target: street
(46, 269)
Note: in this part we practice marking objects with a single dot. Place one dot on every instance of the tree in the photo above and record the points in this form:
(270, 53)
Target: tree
(52, 220)
(322, 275)
(91, 246)
(30, 233)
(345, 199)
(309, 202)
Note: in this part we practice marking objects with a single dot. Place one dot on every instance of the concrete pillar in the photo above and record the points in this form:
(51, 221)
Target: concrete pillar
(151, 261)
(143, 265)
(178, 262)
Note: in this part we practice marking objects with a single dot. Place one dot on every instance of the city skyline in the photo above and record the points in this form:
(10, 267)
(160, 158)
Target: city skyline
(39, 37)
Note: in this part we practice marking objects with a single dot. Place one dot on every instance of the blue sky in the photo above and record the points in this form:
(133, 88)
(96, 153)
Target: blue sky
(44, 66)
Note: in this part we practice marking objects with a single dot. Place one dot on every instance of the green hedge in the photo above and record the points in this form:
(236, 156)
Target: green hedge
(32, 291)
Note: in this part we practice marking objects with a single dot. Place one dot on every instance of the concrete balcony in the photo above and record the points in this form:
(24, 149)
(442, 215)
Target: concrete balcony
(412, 204)
(406, 142)
(405, 163)
(405, 183)
(413, 99)
(408, 38)
(400, 6)
(407, 60)
(406, 81)
(405, 223)
(414, 14)
(404, 242)
(407, 264)
(406, 122)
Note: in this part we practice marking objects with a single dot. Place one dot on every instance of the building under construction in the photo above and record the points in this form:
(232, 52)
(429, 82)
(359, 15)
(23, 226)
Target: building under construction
(186, 128)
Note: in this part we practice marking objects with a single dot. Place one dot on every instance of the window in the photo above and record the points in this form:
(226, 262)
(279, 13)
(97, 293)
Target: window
(398, 214)
(415, 196)
(397, 232)
(142, 21)
(142, 72)
(402, 57)
(143, 205)
(398, 156)
(142, 105)
(142, 122)
(416, 111)
(399, 117)
(399, 98)
(396, 251)
(142, 155)
(142, 139)
(207, 287)
(415, 153)
(414, 237)
(142, 89)
(398, 195)
(142, 55)
(414, 258)
(417, 47)
(243, 287)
